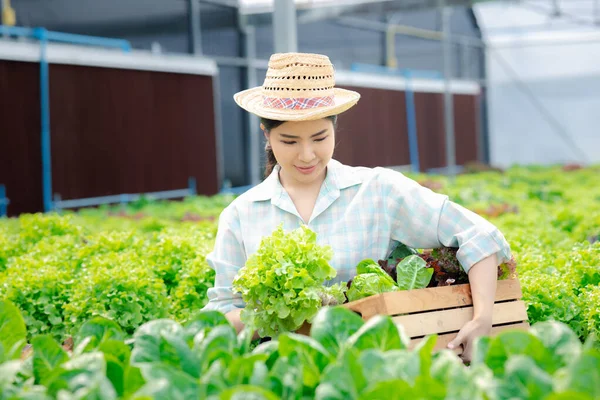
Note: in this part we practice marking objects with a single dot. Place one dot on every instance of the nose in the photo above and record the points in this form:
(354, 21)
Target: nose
(307, 154)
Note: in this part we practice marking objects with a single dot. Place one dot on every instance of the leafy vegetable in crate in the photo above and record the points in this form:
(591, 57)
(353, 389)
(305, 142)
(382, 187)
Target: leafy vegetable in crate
(371, 279)
(282, 283)
(406, 269)
(447, 270)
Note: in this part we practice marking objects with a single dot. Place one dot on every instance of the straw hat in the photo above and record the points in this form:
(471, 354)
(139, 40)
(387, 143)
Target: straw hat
(298, 87)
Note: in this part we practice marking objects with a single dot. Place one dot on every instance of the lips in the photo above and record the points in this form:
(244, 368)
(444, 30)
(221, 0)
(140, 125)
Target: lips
(306, 170)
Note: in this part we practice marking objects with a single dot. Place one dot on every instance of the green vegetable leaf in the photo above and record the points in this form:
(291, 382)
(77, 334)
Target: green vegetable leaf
(461, 382)
(287, 377)
(248, 392)
(164, 341)
(400, 251)
(311, 355)
(382, 390)
(247, 370)
(559, 339)
(369, 266)
(167, 382)
(382, 366)
(380, 332)
(333, 295)
(281, 283)
(511, 343)
(12, 330)
(204, 321)
(413, 274)
(132, 380)
(99, 329)
(569, 396)
(581, 375)
(220, 344)
(370, 284)
(83, 374)
(523, 379)
(47, 355)
(117, 355)
(8, 372)
(344, 379)
(333, 326)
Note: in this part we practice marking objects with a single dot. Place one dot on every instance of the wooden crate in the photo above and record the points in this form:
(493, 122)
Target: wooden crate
(444, 310)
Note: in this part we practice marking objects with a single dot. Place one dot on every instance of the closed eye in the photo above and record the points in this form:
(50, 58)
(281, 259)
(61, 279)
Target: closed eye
(290, 142)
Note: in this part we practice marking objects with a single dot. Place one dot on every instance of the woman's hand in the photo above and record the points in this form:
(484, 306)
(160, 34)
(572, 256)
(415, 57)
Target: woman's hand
(466, 336)
(234, 319)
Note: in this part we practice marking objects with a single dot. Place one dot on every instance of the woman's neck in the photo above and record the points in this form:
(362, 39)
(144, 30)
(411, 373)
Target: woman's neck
(292, 186)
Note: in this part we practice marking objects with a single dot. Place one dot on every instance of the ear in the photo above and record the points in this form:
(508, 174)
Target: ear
(262, 128)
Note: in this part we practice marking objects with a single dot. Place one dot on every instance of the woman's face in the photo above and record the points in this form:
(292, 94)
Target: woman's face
(303, 150)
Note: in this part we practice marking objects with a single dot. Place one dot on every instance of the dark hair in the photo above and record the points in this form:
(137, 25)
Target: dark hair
(269, 124)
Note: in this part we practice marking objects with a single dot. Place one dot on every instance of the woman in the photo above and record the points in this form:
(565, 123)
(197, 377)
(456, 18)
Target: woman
(360, 212)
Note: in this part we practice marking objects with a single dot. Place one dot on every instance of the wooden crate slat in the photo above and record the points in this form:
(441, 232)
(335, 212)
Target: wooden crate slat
(444, 297)
(404, 302)
(444, 339)
(369, 306)
(454, 319)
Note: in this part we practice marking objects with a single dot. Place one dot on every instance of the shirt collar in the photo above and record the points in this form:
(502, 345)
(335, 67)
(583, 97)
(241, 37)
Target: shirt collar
(338, 177)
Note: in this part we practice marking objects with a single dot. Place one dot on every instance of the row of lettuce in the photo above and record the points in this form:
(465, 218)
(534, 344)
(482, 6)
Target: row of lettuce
(147, 261)
(343, 358)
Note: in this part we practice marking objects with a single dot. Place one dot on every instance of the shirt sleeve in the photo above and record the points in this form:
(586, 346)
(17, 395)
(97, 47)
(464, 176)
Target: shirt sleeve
(226, 259)
(424, 219)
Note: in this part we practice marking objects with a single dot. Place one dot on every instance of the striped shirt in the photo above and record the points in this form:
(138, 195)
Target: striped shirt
(361, 213)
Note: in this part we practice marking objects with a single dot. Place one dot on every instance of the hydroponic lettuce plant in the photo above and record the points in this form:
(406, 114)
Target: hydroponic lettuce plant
(282, 283)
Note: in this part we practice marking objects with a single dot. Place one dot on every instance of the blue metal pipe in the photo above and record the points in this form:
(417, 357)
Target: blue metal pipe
(52, 36)
(192, 186)
(3, 201)
(15, 31)
(411, 120)
(40, 34)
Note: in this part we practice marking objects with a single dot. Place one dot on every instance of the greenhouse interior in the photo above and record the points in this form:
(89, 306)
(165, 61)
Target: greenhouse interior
(290, 199)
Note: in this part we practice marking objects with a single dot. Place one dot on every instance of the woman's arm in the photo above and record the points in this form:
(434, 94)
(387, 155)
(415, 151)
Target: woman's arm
(483, 281)
(483, 278)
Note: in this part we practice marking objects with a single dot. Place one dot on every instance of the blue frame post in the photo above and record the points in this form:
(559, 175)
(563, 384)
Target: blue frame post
(411, 121)
(3, 202)
(192, 186)
(42, 35)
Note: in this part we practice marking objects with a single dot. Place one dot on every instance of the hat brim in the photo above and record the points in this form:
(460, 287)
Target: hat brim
(251, 100)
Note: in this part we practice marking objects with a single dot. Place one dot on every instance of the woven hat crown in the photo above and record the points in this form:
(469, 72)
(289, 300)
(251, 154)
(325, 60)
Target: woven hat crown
(297, 87)
(299, 75)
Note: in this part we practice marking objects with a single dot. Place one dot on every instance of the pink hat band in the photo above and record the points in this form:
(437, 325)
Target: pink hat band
(297, 103)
